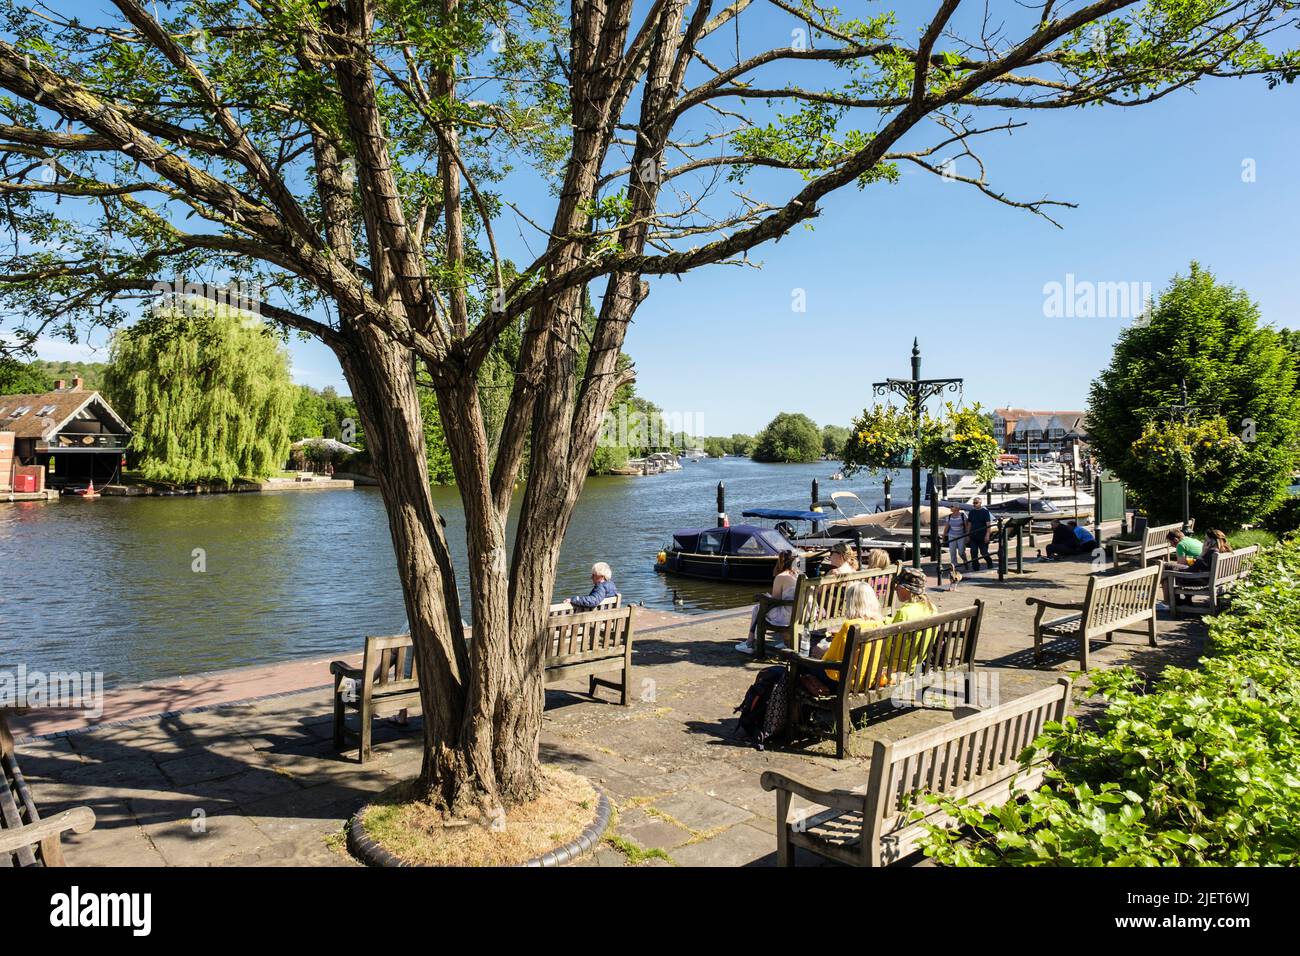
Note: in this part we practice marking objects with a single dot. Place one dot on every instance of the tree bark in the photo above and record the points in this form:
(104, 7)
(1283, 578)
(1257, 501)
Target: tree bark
(457, 775)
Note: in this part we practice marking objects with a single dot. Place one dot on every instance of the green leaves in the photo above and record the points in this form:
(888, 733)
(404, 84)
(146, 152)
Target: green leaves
(207, 393)
(1203, 769)
(1241, 448)
(790, 437)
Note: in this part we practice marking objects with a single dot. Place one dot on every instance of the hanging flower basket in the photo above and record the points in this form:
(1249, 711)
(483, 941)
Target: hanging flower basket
(881, 438)
(1179, 448)
(960, 439)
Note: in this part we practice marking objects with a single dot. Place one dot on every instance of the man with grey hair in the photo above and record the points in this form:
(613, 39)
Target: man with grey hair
(601, 588)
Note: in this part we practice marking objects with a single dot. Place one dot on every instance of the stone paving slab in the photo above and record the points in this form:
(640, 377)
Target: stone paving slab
(258, 783)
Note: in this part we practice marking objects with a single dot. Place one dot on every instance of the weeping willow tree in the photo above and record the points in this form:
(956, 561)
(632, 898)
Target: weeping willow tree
(207, 391)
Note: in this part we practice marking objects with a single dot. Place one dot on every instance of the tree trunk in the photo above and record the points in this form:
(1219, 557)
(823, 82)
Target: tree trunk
(457, 778)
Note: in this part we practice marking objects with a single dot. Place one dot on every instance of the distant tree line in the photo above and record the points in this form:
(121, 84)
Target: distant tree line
(21, 378)
(789, 437)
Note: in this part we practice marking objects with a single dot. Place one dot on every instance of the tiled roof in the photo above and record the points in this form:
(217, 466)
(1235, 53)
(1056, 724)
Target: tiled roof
(42, 415)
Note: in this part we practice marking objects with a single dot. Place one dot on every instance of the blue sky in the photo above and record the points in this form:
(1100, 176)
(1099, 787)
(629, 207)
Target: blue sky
(1157, 186)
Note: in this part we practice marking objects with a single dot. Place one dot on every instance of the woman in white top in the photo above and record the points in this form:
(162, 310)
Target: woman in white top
(779, 616)
(957, 528)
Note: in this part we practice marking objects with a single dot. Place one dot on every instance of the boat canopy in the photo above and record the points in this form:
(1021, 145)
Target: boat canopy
(746, 540)
(787, 514)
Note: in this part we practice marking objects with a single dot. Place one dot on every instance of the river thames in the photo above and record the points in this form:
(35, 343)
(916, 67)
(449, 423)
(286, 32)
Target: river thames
(110, 584)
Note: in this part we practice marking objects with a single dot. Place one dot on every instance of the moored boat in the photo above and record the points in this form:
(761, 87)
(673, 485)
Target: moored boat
(743, 553)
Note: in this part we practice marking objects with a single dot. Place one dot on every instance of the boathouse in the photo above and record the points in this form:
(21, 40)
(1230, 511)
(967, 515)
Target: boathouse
(72, 434)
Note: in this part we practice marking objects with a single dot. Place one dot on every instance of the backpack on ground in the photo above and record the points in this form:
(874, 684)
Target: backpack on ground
(763, 711)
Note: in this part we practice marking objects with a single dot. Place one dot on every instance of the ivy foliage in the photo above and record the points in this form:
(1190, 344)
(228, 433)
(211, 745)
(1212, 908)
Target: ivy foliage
(1203, 769)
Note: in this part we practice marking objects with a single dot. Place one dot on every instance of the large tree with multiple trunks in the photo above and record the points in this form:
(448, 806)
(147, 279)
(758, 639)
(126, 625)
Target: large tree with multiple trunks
(351, 156)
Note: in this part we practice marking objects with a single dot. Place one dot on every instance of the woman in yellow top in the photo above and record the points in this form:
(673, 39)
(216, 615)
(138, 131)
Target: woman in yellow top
(861, 610)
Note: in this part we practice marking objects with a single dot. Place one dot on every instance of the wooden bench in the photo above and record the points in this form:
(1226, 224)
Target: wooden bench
(25, 838)
(878, 661)
(976, 757)
(566, 608)
(1112, 603)
(385, 684)
(394, 683)
(588, 644)
(1153, 546)
(819, 603)
(1225, 570)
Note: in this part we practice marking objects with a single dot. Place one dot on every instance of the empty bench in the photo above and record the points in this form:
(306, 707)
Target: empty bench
(819, 603)
(1119, 602)
(878, 663)
(393, 684)
(1225, 569)
(25, 838)
(976, 758)
(589, 644)
(385, 684)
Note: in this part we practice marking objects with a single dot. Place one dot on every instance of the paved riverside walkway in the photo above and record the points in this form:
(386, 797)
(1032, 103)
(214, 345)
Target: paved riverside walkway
(257, 781)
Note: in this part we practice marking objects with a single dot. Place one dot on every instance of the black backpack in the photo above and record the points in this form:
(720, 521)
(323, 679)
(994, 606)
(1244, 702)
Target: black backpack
(763, 711)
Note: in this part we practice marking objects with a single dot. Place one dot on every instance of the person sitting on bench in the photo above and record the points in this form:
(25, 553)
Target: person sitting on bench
(602, 588)
(861, 610)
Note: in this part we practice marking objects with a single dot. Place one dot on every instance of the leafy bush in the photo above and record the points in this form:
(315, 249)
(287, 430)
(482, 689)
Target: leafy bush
(1203, 769)
(1284, 518)
(789, 437)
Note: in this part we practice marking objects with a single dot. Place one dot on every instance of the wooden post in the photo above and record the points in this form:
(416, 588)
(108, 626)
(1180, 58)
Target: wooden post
(888, 482)
(815, 496)
(722, 505)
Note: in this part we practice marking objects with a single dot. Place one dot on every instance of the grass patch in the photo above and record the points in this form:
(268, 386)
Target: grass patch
(1244, 539)
(636, 854)
(417, 833)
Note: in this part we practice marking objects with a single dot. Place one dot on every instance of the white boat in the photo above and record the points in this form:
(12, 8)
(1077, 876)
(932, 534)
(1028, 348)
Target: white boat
(664, 461)
(1009, 486)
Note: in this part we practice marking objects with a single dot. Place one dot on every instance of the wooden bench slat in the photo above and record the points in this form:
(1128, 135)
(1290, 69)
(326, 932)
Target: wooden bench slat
(25, 838)
(975, 758)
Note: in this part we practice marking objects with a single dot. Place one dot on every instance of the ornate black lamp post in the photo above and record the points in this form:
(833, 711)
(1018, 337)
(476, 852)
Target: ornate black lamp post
(916, 391)
(1186, 413)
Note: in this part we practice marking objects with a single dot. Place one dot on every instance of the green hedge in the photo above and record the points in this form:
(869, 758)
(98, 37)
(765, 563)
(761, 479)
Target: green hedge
(1204, 769)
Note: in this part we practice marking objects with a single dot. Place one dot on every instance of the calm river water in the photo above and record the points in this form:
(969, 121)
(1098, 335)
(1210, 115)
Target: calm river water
(108, 584)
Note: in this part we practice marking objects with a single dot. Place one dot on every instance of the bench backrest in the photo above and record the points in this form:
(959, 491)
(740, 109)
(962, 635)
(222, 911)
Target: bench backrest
(388, 666)
(819, 602)
(1112, 601)
(1228, 567)
(1155, 543)
(974, 757)
(587, 636)
(942, 641)
(615, 600)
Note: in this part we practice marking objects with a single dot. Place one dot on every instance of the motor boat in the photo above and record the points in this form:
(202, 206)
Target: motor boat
(1012, 486)
(738, 554)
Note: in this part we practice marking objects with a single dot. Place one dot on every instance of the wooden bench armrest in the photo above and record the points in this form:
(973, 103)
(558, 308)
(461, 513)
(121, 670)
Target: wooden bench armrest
(807, 663)
(1058, 605)
(78, 820)
(838, 799)
(772, 601)
(344, 668)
